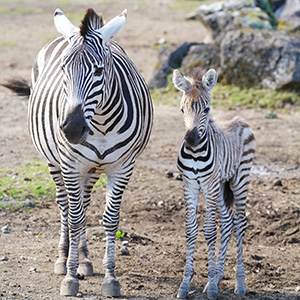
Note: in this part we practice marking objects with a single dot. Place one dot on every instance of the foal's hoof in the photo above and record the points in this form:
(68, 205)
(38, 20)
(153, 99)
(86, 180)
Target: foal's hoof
(211, 290)
(86, 268)
(111, 288)
(182, 293)
(240, 291)
(60, 267)
(69, 287)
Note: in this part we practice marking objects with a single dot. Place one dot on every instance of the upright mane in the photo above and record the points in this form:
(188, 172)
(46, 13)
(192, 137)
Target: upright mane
(90, 22)
(197, 76)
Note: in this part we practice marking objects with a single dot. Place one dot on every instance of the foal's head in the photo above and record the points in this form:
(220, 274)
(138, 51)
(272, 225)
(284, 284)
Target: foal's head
(195, 102)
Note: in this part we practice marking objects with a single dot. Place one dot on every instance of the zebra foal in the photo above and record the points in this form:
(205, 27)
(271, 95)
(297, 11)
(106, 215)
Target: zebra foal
(215, 156)
(90, 112)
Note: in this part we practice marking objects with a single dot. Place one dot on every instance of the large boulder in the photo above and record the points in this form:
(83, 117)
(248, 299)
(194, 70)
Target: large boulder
(263, 58)
(289, 12)
(246, 50)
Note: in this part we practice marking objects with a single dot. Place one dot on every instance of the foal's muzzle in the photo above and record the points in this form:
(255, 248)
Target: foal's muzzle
(192, 137)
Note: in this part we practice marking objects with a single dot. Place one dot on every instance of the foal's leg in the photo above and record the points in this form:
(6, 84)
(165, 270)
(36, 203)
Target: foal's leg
(62, 201)
(116, 184)
(239, 187)
(226, 224)
(210, 233)
(85, 265)
(191, 194)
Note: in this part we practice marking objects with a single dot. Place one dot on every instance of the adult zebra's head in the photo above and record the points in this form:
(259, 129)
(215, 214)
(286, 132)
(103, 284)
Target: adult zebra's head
(195, 103)
(86, 65)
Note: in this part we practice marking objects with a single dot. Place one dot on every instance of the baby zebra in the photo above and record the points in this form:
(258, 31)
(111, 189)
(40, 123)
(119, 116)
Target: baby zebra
(215, 156)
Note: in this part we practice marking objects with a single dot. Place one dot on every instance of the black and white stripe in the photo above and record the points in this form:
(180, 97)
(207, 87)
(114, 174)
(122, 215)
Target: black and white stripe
(90, 112)
(215, 156)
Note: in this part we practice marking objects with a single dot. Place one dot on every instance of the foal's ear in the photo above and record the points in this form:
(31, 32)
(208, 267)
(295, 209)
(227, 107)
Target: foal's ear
(209, 80)
(63, 25)
(180, 82)
(109, 30)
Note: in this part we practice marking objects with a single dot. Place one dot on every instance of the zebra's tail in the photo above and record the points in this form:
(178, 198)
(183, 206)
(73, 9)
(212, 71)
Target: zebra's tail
(228, 195)
(19, 86)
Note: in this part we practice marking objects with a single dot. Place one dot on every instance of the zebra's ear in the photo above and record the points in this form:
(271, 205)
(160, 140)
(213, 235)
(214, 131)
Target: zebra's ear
(180, 82)
(63, 25)
(109, 30)
(209, 80)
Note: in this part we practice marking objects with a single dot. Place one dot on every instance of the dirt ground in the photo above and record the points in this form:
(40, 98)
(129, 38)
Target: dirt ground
(152, 212)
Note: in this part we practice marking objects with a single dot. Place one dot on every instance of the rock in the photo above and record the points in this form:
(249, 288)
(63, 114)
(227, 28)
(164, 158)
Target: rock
(144, 256)
(125, 251)
(95, 232)
(32, 270)
(160, 203)
(5, 230)
(169, 174)
(278, 182)
(170, 57)
(125, 243)
(280, 270)
(289, 12)
(80, 276)
(4, 258)
(261, 58)
(271, 116)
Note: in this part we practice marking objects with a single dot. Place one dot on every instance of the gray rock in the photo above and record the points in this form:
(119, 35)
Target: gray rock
(289, 12)
(4, 258)
(125, 251)
(265, 59)
(32, 269)
(4, 229)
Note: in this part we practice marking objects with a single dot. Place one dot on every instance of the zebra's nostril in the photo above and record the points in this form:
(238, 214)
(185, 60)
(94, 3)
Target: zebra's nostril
(192, 137)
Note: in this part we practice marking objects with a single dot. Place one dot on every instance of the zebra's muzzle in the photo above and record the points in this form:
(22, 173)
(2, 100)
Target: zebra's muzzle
(74, 127)
(192, 137)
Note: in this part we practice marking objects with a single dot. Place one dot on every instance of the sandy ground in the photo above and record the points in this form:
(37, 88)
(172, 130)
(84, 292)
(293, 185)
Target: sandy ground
(152, 212)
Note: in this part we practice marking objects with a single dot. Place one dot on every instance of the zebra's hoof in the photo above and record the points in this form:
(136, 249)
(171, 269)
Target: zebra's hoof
(86, 268)
(182, 293)
(111, 288)
(211, 290)
(69, 287)
(60, 267)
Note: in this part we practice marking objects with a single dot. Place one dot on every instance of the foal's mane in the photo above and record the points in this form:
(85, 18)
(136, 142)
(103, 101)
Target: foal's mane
(90, 22)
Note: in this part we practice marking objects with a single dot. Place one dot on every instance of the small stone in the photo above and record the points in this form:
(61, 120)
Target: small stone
(80, 276)
(280, 270)
(297, 289)
(161, 41)
(125, 243)
(125, 251)
(278, 182)
(35, 218)
(271, 116)
(169, 174)
(5, 229)
(160, 203)
(144, 256)
(32, 270)
(4, 258)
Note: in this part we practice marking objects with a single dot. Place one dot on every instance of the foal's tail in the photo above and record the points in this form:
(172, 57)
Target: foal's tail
(19, 86)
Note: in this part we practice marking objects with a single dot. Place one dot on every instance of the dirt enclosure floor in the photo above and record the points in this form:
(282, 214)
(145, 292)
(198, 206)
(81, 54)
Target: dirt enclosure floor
(152, 212)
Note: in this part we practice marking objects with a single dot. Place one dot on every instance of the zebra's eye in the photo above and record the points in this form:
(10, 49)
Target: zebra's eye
(62, 68)
(206, 110)
(98, 71)
(182, 110)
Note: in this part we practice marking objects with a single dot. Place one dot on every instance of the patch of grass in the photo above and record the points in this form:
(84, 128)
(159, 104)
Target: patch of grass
(30, 181)
(19, 11)
(187, 5)
(231, 97)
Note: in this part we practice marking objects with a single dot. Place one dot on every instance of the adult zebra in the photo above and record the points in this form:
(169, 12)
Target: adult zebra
(215, 156)
(90, 112)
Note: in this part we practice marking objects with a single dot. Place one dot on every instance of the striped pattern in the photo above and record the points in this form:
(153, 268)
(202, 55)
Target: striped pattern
(215, 156)
(90, 112)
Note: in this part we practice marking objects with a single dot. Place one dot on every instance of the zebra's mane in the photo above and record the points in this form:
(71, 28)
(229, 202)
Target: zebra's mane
(197, 75)
(90, 22)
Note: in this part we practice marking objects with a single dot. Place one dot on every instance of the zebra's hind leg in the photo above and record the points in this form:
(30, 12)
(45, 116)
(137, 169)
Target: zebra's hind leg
(116, 184)
(62, 201)
(191, 195)
(226, 225)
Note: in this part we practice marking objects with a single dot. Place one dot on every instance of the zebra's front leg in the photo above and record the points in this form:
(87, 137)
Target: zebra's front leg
(85, 265)
(76, 221)
(191, 195)
(62, 201)
(114, 191)
(210, 234)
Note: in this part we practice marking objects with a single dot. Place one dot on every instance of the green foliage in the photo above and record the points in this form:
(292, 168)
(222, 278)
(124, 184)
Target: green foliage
(187, 5)
(30, 181)
(266, 7)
